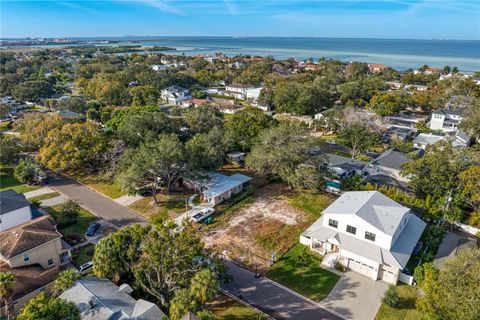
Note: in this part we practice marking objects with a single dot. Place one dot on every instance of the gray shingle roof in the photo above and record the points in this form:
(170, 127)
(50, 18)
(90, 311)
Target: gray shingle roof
(372, 206)
(455, 112)
(11, 200)
(344, 162)
(108, 302)
(427, 138)
(392, 158)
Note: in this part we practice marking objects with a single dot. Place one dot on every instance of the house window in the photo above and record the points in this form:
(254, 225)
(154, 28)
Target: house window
(26, 257)
(50, 262)
(351, 229)
(333, 223)
(369, 236)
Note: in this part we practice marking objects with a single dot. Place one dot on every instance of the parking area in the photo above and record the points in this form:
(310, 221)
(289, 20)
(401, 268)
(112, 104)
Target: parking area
(105, 229)
(356, 296)
(451, 244)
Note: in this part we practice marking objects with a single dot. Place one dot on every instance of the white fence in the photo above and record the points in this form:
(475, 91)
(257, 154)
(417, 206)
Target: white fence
(405, 278)
(467, 228)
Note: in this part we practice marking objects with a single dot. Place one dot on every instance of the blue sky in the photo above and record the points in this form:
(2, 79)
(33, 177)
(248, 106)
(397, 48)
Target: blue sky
(408, 19)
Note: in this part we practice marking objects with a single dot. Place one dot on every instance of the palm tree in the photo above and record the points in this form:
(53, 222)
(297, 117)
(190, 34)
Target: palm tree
(7, 281)
(204, 286)
(50, 104)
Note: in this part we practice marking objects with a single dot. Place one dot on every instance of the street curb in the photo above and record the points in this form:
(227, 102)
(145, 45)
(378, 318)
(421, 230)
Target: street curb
(244, 303)
(93, 213)
(295, 293)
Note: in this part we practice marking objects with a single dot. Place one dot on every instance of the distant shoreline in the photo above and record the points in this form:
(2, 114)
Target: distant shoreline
(395, 53)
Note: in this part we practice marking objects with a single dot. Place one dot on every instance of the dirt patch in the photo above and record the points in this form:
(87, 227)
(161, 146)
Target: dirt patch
(269, 225)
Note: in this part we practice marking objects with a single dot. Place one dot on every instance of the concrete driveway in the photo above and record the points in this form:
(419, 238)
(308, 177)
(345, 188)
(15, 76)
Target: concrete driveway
(451, 244)
(355, 296)
(95, 202)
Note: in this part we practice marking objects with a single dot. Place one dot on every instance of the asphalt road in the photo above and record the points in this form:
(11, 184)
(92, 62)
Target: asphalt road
(272, 299)
(95, 202)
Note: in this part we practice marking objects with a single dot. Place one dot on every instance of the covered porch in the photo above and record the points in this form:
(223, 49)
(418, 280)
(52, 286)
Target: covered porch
(331, 245)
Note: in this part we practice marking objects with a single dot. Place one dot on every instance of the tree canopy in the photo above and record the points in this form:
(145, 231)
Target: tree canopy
(160, 260)
(453, 292)
(285, 151)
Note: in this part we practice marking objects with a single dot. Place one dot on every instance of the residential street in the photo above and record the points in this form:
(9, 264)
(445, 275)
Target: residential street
(95, 202)
(267, 296)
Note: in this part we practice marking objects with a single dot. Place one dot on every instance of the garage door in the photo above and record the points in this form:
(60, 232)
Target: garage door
(387, 276)
(359, 267)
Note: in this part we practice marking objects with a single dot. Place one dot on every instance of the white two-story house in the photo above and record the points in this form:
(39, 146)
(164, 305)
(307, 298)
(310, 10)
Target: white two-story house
(446, 120)
(238, 90)
(174, 95)
(367, 232)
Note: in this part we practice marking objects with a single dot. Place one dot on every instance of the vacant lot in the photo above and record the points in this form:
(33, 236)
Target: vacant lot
(99, 183)
(267, 223)
(167, 206)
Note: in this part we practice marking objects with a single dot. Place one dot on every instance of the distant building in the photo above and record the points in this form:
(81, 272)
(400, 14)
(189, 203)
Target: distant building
(446, 120)
(237, 90)
(252, 94)
(402, 133)
(429, 70)
(376, 68)
(425, 139)
(174, 95)
(195, 102)
(388, 163)
(101, 299)
(166, 66)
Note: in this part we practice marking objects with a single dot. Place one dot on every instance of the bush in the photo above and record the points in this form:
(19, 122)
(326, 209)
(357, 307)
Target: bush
(340, 267)
(69, 212)
(422, 270)
(474, 220)
(28, 171)
(391, 298)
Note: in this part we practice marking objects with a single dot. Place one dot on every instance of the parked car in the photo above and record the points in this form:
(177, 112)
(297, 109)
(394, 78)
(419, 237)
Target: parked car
(92, 229)
(85, 268)
(203, 214)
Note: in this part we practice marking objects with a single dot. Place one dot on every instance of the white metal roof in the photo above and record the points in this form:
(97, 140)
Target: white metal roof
(220, 183)
(372, 206)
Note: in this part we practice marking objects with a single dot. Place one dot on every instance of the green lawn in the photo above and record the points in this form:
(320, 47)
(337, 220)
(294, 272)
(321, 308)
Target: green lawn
(8, 181)
(45, 196)
(79, 228)
(82, 255)
(225, 308)
(99, 183)
(316, 282)
(406, 311)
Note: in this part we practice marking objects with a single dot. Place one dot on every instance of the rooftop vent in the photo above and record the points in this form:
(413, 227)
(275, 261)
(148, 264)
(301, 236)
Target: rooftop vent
(91, 304)
(125, 288)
